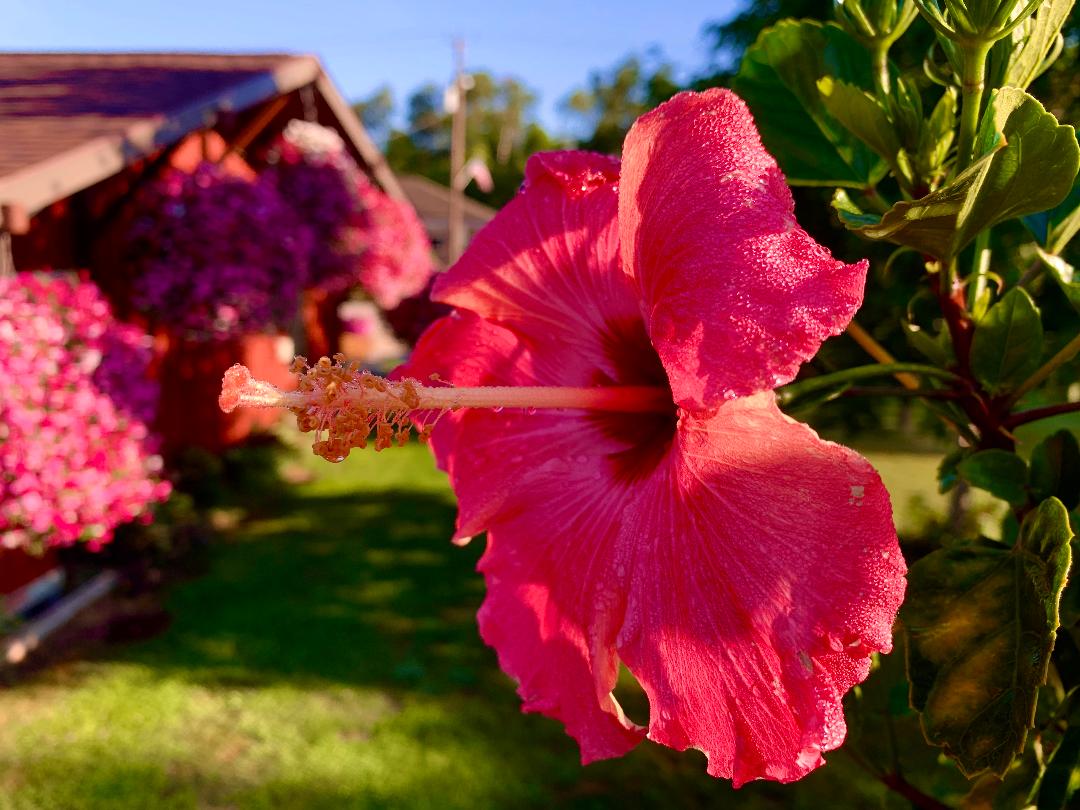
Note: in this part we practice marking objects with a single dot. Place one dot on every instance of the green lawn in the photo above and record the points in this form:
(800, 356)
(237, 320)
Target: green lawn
(330, 659)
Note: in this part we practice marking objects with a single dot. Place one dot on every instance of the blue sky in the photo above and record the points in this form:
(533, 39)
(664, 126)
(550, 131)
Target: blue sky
(551, 45)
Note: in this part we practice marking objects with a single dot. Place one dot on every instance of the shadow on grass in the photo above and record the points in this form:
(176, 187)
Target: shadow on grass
(330, 658)
(354, 589)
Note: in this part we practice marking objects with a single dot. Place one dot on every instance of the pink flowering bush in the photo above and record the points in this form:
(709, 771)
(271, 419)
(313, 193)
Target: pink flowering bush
(77, 457)
(395, 258)
(217, 256)
(316, 177)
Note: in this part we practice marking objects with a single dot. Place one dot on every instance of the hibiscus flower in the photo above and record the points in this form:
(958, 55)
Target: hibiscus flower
(644, 499)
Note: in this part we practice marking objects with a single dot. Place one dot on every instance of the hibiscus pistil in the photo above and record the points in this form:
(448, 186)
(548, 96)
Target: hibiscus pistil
(350, 404)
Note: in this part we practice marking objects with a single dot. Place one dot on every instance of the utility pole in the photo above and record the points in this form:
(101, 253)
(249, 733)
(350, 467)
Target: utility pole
(456, 216)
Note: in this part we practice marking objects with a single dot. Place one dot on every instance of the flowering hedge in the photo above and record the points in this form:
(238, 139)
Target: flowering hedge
(396, 260)
(76, 453)
(360, 235)
(312, 172)
(218, 255)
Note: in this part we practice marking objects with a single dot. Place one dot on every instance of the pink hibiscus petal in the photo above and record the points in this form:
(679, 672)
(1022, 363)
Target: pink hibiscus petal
(736, 295)
(745, 577)
(547, 267)
(767, 571)
(555, 635)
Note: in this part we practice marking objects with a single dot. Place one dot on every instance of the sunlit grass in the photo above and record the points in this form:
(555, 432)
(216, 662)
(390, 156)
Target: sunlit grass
(330, 659)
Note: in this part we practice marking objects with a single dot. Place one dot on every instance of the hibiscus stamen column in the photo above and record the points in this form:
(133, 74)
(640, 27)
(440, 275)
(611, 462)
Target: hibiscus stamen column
(350, 404)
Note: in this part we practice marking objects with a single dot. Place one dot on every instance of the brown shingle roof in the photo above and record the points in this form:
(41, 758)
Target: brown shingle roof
(50, 103)
(70, 120)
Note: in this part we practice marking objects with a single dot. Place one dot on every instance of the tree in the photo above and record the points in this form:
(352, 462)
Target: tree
(501, 129)
(612, 99)
(376, 112)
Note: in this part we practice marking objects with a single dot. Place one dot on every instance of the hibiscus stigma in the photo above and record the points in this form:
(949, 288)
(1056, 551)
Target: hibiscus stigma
(351, 405)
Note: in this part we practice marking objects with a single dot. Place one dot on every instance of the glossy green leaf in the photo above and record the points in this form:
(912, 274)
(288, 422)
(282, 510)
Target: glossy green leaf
(979, 621)
(1056, 227)
(1007, 345)
(778, 80)
(1027, 164)
(936, 137)
(861, 114)
(947, 473)
(1064, 274)
(849, 213)
(937, 348)
(1001, 473)
(1055, 469)
(1028, 61)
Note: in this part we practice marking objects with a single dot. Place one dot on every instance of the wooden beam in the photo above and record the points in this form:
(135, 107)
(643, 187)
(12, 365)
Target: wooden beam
(14, 219)
(255, 127)
(148, 174)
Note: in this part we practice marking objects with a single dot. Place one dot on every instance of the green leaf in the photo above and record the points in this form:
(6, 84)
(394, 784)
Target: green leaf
(937, 135)
(938, 349)
(1055, 469)
(1028, 162)
(947, 474)
(1058, 785)
(1055, 227)
(1007, 344)
(862, 115)
(778, 80)
(849, 213)
(1001, 473)
(1064, 274)
(1027, 61)
(1061, 735)
(979, 622)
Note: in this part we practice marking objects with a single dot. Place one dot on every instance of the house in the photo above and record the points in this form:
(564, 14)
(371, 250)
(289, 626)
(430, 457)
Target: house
(80, 135)
(432, 203)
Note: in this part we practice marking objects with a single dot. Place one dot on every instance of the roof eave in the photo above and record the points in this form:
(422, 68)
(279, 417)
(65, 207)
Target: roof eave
(39, 185)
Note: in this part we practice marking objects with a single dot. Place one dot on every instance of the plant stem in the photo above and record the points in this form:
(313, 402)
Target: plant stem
(1035, 414)
(878, 352)
(882, 80)
(893, 391)
(899, 784)
(977, 285)
(974, 84)
(866, 372)
(1071, 349)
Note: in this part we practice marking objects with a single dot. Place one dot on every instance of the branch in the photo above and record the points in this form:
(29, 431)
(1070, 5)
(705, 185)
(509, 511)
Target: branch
(878, 352)
(1071, 349)
(893, 391)
(1035, 414)
(838, 378)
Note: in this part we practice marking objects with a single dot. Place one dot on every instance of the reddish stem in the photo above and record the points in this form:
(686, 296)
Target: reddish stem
(898, 784)
(1035, 414)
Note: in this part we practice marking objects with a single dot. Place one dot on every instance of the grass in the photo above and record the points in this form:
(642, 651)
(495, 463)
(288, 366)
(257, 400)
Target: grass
(330, 659)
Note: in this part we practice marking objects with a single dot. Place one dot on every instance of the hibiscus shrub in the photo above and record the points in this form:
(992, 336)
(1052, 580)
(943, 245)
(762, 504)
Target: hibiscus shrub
(604, 396)
(77, 457)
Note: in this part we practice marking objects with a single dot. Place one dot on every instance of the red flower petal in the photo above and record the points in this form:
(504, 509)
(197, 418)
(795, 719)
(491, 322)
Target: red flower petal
(547, 267)
(744, 580)
(736, 295)
(766, 571)
(554, 634)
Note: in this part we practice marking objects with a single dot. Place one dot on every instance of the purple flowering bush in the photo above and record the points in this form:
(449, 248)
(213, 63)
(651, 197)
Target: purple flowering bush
(218, 255)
